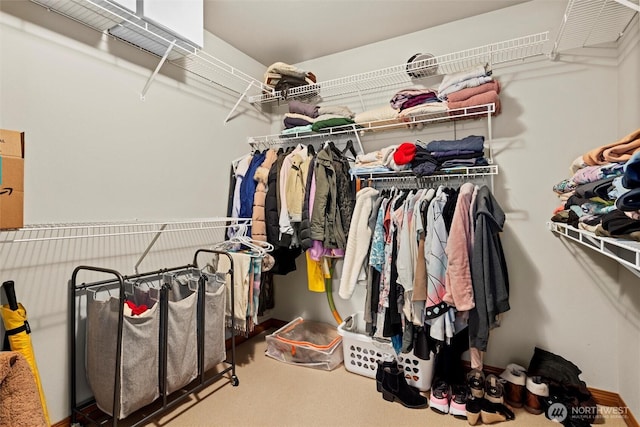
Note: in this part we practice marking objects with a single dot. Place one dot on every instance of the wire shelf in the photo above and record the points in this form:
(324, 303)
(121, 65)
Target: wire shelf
(493, 54)
(407, 123)
(442, 175)
(121, 23)
(72, 231)
(626, 252)
(591, 22)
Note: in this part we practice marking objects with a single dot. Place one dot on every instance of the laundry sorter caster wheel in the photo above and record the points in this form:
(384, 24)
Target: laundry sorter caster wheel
(235, 381)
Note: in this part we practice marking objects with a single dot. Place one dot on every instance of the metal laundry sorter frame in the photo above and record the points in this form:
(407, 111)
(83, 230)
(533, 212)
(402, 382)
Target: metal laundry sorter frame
(83, 409)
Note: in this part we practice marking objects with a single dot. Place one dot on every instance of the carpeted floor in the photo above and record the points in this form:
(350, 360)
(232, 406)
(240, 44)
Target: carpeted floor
(273, 393)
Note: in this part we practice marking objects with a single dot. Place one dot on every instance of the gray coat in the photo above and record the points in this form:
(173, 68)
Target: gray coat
(488, 269)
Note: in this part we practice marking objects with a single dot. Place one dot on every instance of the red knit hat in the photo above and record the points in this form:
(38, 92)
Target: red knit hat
(404, 153)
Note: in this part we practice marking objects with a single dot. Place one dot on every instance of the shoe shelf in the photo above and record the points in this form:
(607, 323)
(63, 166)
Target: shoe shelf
(492, 54)
(592, 22)
(626, 252)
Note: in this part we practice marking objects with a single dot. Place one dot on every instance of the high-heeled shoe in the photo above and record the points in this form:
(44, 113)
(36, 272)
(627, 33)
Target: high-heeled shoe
(473, 408)
(491, 412)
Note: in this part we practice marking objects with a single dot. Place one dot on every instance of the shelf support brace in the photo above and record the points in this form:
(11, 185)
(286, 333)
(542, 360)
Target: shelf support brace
(146, 251)
(155, 72)
(237, 103)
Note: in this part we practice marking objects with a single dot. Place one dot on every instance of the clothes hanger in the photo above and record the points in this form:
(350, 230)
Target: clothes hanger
(311, 150)
(349, 148)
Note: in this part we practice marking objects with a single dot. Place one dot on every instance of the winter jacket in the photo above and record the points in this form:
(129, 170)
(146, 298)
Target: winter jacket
(286, 230)
(358, 242)
(459, 289)
(304, 232)
(258, 223)
(325, 219)
(296, 183)
(334, 199)
(488, 269)
(271, 206)
(248, 187)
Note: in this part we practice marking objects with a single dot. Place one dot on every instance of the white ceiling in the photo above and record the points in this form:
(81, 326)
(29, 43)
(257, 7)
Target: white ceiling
(293, 31)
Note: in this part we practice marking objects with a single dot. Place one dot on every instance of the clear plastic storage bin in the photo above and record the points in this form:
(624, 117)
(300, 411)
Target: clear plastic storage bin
(306, 343)
(362, 352)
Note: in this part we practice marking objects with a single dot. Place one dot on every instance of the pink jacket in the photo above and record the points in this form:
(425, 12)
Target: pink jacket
(459, 289)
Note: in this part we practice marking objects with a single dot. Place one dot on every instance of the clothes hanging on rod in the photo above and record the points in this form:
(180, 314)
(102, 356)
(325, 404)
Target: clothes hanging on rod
(423, 269)
(304, 202)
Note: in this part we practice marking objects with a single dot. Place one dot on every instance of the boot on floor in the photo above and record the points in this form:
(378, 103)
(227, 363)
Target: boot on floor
(380, 371)
(395, 387)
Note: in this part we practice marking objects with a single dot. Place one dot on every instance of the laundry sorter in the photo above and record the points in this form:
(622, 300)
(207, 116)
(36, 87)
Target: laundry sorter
(147, 336)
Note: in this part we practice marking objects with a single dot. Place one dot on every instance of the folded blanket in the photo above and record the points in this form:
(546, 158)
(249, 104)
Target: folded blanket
(619, 151)
(291, 122)
(423, 109)
(490, 97)
(304, 108)
(337, 110)
(473, 72)
(417, 100)
(300, 116)
(297, 129)
(464, 94)
(471, 143)
(328, 123)
(404, 95)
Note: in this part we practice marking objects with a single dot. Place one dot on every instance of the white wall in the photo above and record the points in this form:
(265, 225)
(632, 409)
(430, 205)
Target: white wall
(96, 152)
(564, 298)
(627, 294)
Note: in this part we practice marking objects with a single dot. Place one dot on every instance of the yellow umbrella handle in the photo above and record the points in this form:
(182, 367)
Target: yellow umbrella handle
(9, 289)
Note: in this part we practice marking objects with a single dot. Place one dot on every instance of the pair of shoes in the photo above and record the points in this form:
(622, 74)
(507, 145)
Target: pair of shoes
(489, 412)
(515, 377)
(536, 394)
(490, 387)
(446, 399)
(395, 387)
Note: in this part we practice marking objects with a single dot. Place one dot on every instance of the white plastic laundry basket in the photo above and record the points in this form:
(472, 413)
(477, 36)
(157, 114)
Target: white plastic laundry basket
(361, 354)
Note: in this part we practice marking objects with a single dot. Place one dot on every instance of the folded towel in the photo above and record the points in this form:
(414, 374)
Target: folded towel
(464, 94)
(469, 83)
(473, 72)
(337, 110)
(490, 97)
(304, 108)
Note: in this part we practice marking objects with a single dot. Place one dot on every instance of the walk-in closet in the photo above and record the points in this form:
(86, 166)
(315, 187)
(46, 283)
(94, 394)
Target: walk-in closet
(269, 213)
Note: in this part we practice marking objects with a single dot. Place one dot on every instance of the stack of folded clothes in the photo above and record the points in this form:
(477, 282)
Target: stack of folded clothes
(306, 117)
(469, 88)
(282, 77)
(394, 158)
(449, 154)
(603, 195)
(415, 102)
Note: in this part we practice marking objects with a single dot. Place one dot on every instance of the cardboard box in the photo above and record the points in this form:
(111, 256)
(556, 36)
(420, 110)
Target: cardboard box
(11, 179)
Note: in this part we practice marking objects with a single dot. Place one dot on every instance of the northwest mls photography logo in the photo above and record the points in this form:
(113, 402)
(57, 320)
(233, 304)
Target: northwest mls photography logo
(557, 412)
